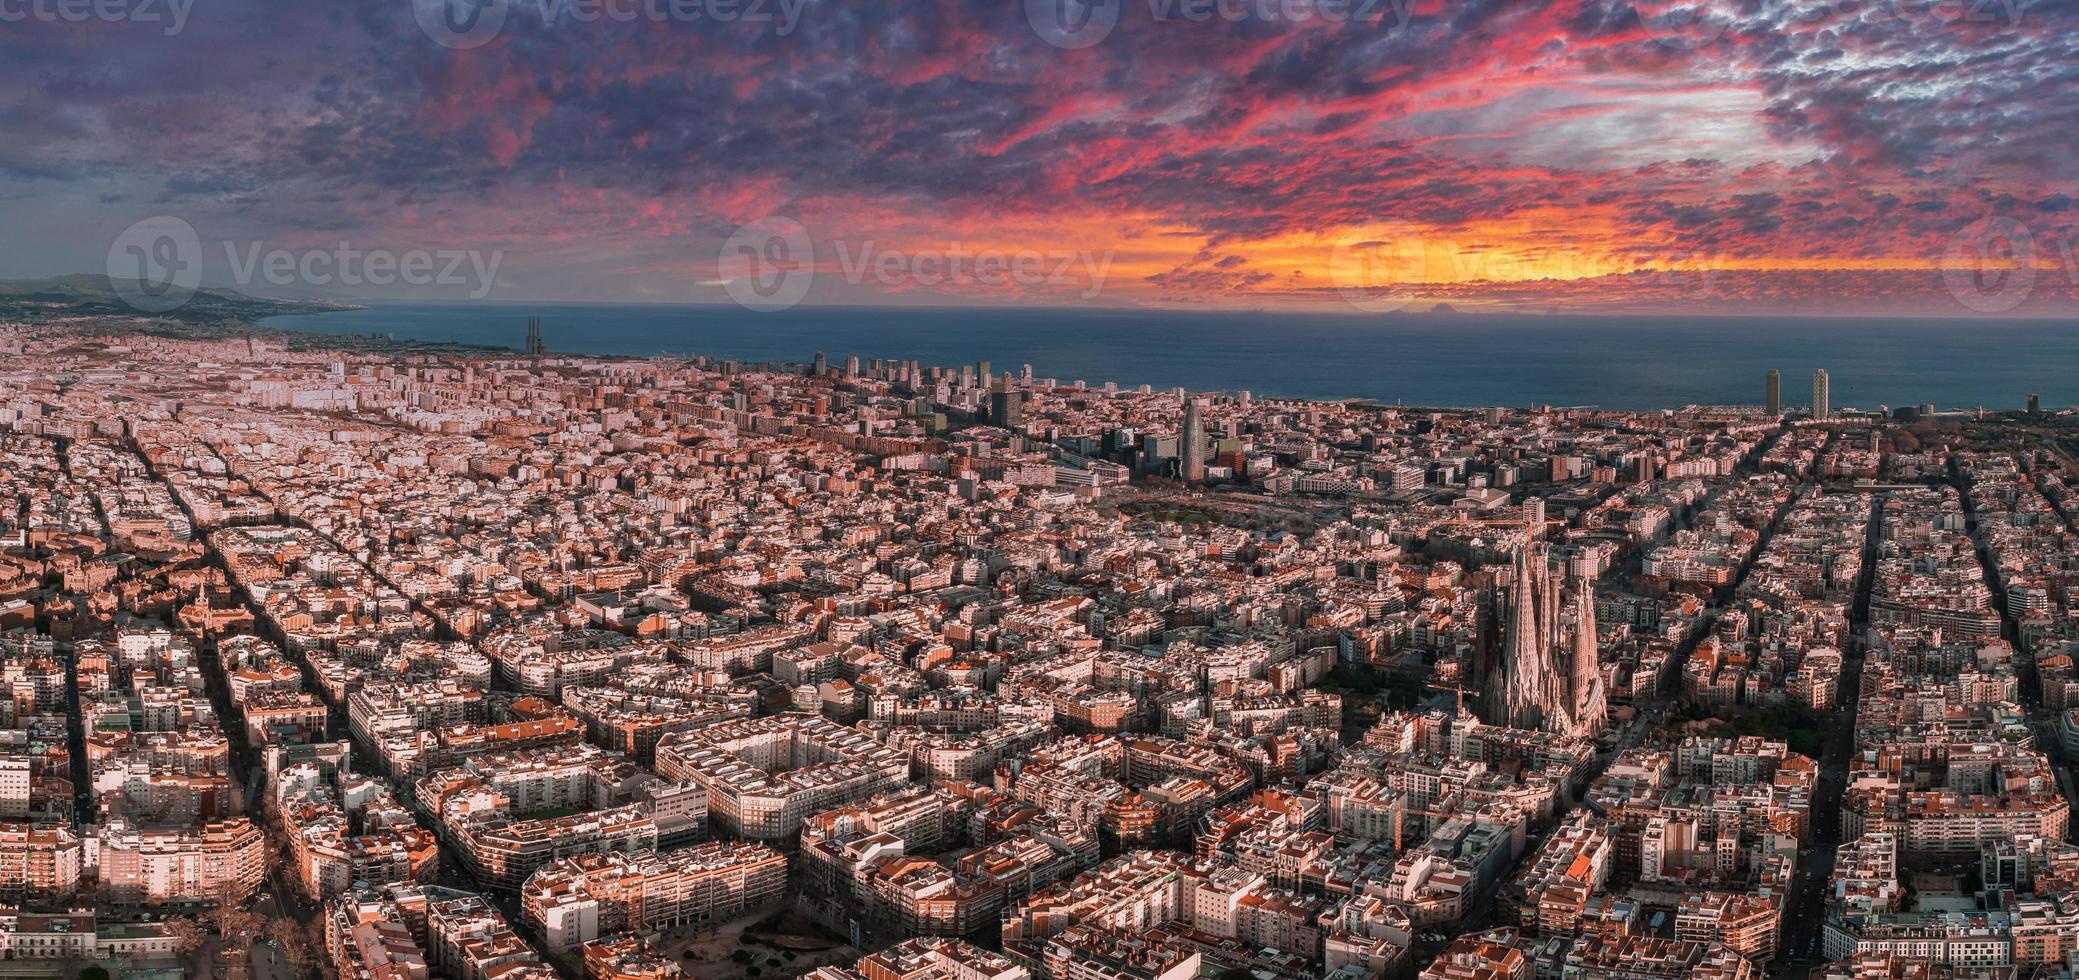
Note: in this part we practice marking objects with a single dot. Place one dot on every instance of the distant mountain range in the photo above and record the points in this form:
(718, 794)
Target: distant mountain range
(96, 295)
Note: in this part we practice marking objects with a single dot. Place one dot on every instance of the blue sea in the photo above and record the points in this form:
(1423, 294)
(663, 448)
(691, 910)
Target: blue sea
(1434, 359)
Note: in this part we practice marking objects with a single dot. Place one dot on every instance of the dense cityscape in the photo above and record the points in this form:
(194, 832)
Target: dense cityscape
(376, 660)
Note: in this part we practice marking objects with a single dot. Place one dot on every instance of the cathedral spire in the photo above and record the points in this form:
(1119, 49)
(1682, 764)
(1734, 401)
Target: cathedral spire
(1526, 659)
(1585, 671)
(1548, 674)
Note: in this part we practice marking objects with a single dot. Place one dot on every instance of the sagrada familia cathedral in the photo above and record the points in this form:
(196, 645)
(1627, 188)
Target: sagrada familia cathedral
(1547, 675)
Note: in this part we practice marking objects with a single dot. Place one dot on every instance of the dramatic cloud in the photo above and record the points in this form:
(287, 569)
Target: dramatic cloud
(1683, 154)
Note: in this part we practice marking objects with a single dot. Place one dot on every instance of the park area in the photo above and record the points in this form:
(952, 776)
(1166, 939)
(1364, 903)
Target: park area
(778, 944)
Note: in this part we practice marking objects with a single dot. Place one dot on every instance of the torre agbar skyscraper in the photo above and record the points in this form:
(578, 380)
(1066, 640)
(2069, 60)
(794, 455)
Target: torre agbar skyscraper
(1547, 676)
(1192, 453)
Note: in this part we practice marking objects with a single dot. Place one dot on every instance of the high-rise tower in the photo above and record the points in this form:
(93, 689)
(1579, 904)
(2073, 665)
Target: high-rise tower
(1006, 405)
(535, 348)
(1821, 408)
(1191, 454)
(1772, 399)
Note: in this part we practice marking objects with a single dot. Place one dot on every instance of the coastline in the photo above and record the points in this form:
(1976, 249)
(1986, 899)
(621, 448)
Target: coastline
(1460, 359)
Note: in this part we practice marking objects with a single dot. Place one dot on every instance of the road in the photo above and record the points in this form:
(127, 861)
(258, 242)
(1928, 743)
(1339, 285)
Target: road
(84, 809)
(279, 896)
(269, 965)
(2042, 721)
(1804, 913)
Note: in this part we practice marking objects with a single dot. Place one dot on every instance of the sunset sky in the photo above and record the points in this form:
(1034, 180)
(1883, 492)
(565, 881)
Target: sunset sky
(1744, 156)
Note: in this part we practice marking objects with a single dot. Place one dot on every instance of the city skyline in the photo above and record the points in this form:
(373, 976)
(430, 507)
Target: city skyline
(1039, 489)
(386, 659)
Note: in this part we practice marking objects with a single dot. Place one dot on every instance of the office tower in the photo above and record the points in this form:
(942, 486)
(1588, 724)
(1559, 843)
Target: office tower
(982, 373)
(535, 348)
(1192, 453)
(1820, 407)
(816, 370)
(1772, 401)
(1006, 406)
(2035, 405)
(852, 366)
